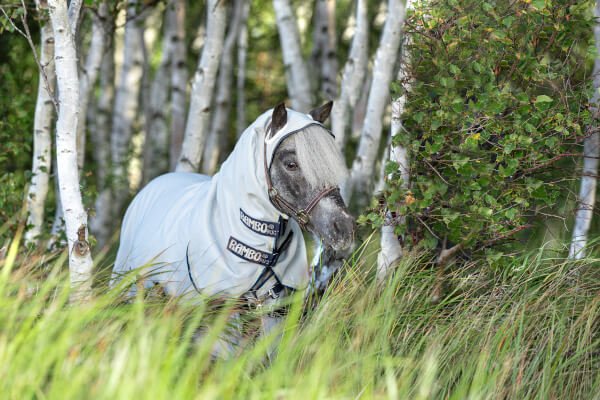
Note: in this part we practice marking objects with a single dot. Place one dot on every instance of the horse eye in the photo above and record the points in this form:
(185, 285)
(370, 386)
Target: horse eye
(291, 166)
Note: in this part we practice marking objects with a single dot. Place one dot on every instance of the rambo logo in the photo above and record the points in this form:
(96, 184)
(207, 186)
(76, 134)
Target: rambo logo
(248, 253)
(264, 228)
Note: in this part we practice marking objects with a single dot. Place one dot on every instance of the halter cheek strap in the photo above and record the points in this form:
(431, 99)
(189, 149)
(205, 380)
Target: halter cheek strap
(302, 215)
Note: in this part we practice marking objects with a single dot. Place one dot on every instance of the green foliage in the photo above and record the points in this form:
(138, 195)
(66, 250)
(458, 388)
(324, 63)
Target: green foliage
(18, 83)
(497, 105)
(528, 334)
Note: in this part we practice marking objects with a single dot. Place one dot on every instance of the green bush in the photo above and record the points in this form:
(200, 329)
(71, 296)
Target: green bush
(496, 111)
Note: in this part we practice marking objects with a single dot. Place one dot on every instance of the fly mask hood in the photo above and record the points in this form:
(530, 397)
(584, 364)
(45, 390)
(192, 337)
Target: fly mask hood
(219, 235)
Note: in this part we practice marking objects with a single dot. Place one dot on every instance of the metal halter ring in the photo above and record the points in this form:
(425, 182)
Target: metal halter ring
(273, 192)
(302, 217)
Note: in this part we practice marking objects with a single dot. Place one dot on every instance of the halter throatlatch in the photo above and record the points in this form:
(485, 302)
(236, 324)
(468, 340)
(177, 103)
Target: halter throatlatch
(302, 215)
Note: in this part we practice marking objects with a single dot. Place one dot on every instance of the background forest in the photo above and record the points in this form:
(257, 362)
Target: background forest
(470, 132)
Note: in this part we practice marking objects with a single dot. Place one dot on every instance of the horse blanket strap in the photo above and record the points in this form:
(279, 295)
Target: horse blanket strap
(301, 215)
(268, 272)
(187, 260)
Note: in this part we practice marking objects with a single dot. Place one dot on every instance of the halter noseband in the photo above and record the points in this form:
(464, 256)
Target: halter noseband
(301, 215)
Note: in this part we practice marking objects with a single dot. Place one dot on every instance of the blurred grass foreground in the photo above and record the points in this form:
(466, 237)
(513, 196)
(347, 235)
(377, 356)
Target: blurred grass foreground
(531, 331)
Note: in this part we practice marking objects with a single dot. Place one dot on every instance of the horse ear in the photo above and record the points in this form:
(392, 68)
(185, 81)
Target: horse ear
(279, 118)
(321, 114)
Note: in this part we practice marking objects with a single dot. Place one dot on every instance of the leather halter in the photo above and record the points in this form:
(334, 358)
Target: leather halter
(301, 215)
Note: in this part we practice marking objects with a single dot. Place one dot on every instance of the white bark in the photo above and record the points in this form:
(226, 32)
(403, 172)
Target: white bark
(242, 51)
(324, 47)
(391, 248)
(591, 152)
(100, 136)
(202, 89)
(361, 175)
(179, 79)
(42, 139)
(126, 106)
(88, 76)
(353, 76)
(156, 146)
(80, 259)
(296, 71)
(217, 137)
(391, 245)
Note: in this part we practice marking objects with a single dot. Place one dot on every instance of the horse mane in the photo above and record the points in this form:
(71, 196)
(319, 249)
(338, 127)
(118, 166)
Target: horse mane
(321, 161)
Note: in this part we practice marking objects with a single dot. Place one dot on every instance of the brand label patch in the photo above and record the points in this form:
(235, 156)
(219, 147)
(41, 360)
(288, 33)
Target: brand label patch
(265, 228)
(248, 253)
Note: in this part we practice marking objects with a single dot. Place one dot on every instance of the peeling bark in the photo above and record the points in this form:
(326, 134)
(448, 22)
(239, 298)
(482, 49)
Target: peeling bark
(217, 138)
(179, 79)
(65, 57)
(202, 89)
(42, 139)
(296, 70)
(361, 176)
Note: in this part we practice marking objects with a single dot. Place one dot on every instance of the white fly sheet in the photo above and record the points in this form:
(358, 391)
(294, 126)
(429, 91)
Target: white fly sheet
(216, 235)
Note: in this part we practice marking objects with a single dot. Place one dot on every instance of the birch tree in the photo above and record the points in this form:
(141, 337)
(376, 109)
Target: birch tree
(100, 222)
(202, 89)
(179, 78)
(156, 145)
(88, 76)
(42, 139)
(591, 152)
(361, 175)
(296, 70)
(323, 56)
(126, 104)
(353, 76)
(220, 122)
(65, 57)
(242, 51)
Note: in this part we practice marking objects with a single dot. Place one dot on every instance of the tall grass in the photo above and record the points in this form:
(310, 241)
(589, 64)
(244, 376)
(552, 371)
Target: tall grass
(528, 332)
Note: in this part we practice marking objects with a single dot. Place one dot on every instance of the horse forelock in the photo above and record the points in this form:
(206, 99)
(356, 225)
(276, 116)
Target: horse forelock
(320, 160)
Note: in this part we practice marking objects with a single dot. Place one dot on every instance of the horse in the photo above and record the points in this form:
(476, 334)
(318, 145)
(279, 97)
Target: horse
(239, 233)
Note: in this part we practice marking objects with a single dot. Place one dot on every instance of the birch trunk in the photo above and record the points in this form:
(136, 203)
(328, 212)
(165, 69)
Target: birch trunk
(217, 138)
(296, 71)
(353, 76)
(179, 79)
(100, 136)
(391, 247)
(361, 175)
(65, 57)
(591, 152)
(88, 78)
(324, 47)
(42, 141)
(156, 146)
(126, 107)
(202, 89)
(242, 51)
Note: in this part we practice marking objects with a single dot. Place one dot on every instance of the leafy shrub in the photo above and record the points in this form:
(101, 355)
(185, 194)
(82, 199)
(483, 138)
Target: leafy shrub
(495, 115)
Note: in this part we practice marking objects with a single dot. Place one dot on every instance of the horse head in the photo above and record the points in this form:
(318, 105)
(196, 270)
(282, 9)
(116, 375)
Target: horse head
(305, 173)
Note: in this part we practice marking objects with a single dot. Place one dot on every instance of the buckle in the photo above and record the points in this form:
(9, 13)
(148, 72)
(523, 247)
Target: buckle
(272, 293)
(303, 218)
